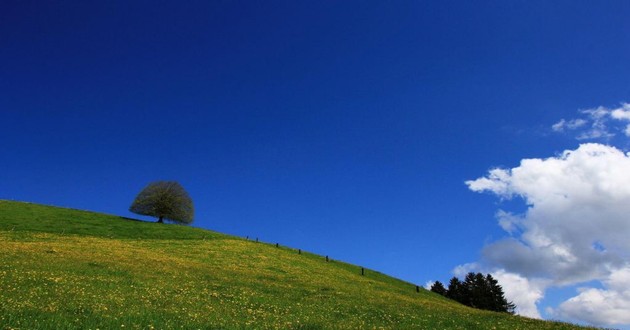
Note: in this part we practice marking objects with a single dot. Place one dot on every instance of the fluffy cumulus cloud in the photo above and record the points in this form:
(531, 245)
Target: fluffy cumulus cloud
(601, 306)
(575, 228)
(597, 123)
(523, 292)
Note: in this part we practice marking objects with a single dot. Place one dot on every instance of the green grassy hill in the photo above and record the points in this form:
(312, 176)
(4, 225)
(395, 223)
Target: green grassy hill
(69, 269)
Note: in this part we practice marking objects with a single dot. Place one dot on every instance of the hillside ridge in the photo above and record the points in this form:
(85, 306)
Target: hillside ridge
(71, 269)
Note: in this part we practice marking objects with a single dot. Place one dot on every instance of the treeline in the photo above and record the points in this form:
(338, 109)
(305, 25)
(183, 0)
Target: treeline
(477, 291)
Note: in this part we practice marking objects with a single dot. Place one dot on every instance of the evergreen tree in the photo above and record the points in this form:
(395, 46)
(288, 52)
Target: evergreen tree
(455, 290)
(499, 302)
(473, 291)
(438, 288)
(478, 291)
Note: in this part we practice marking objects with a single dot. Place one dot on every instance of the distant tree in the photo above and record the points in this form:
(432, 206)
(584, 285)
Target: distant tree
(164, 200)
(499, 302)
(471, 292)
(438, 288)
(456, 290)
(478, 291)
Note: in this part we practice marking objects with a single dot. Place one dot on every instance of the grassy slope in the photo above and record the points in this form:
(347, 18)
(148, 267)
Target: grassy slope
(63, 269)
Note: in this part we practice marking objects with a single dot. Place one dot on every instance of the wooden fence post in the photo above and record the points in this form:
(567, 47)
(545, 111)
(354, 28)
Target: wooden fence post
(362, 271)
(417, 288)
(326, 258)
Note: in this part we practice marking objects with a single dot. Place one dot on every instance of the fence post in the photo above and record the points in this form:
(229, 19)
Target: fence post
(276, 244)
(299, 251)
(326, 258)
(417, 288)
(256, 239)
(362, 271)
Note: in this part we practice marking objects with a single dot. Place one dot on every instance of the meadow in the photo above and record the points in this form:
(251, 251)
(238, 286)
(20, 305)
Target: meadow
(70, 269)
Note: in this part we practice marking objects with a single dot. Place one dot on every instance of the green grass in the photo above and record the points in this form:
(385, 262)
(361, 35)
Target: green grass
(69, 269)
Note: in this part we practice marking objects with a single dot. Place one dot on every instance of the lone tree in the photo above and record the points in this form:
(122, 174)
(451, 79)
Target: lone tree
(164, 200)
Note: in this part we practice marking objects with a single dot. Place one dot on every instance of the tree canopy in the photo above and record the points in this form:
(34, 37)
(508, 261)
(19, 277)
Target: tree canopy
(478, 291)
(164, 200)
(438, 288)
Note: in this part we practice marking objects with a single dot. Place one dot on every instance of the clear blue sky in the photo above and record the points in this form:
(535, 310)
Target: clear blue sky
(343, 128)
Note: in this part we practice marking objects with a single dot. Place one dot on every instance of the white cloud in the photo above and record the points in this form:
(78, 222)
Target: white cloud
(598, 119)
(461, 270)
(509, 222)
(621, 113)
(496, 181)
(524, 293)
(571, 124)
(599, 123)
(575, 229)
(576, 123)
(559, 126)
(601, 306)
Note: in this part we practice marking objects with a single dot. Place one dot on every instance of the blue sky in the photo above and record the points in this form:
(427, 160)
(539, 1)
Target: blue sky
(343, 128)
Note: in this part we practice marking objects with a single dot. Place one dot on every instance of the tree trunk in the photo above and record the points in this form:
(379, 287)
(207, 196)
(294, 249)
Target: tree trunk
(160, 220)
